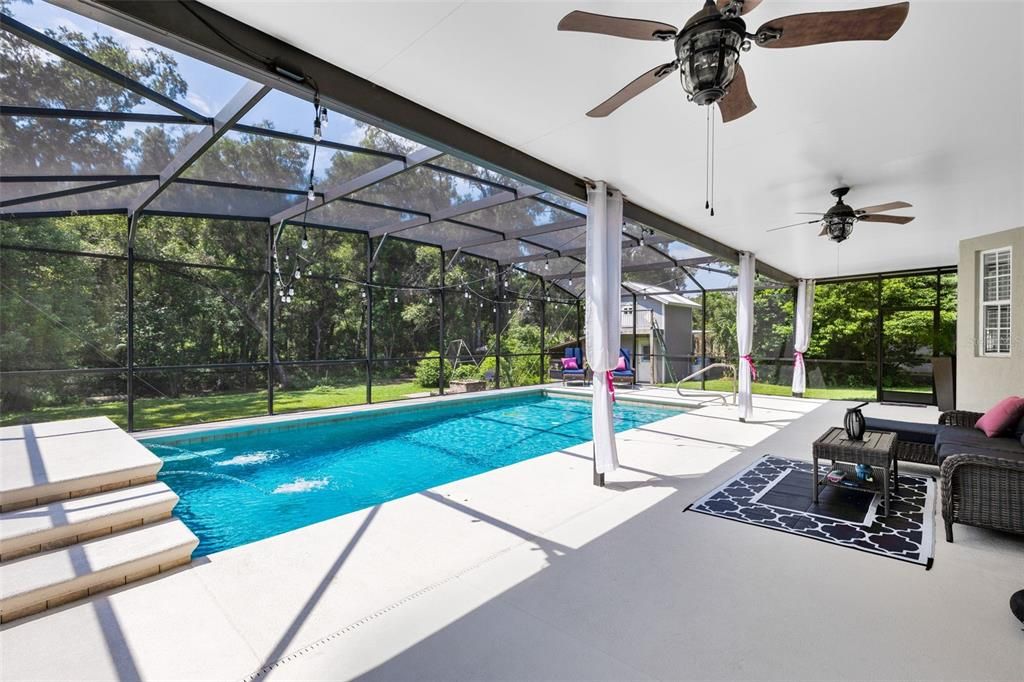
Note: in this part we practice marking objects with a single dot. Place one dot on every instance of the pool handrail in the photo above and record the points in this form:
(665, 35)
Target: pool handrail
(725, 365)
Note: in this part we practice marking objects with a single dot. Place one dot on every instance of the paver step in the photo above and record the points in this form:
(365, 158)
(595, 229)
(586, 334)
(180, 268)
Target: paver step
(51, 461)
(40, 581)
(39, 529)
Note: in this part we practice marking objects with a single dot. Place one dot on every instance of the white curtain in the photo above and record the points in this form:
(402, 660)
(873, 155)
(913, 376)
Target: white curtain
(745, 334)
(604, 260)
(802, 332)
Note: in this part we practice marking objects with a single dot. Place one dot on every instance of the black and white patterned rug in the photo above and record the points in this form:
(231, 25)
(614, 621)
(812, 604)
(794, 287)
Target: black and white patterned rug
(775, 492)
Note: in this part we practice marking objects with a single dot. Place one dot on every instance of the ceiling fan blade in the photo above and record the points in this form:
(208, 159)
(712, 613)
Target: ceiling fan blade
(898, 219)
(748, 5)
(815, 28)
(623, 27)
(627, 93)
(881, 208)
(808, 213)
(737, 100)
(786, 227)
(824, 231)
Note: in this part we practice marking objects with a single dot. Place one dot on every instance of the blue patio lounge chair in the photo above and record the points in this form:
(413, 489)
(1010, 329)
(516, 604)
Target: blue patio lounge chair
(624, 376)
(579, 374)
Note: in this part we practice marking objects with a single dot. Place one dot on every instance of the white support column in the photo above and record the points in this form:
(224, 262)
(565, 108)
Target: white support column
(603, 274)
(745, 335)
(802, 325)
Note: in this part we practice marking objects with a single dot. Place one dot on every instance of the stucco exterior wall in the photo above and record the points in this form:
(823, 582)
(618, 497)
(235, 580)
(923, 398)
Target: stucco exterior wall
(982, 381)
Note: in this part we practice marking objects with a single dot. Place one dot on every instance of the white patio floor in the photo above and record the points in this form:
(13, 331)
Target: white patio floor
(530, 572)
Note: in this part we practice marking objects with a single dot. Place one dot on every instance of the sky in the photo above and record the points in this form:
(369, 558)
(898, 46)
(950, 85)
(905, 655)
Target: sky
(210, 88)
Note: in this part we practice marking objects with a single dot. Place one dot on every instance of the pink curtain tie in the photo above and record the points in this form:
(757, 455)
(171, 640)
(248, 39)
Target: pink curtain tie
(750, 363)
(611, 384)
(798, 358)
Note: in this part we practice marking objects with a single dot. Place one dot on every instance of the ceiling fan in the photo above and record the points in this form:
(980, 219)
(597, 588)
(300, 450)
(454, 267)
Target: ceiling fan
(837, 222)
(708, 46)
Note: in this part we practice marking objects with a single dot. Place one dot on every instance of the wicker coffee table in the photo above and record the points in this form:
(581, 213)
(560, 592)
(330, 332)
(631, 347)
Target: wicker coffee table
(877, 449)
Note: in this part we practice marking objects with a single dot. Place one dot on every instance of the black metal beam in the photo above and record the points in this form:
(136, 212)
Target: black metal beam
(465, 208)
(244, 100)
(200, 31)
(343, 189)
(70, 191)
(44, 41)
(304, 139)
(88, 114)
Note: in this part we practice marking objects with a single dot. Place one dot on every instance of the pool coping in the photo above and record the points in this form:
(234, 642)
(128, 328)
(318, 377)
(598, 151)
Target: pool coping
(248, 426)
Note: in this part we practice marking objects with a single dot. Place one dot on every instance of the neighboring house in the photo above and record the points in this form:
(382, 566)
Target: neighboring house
(663, 323)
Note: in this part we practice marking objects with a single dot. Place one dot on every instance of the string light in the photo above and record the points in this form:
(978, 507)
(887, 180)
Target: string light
(323, 116)
(396, 299)
(298, 273)
(430, 299)
(291, 292)
(311, 194)
(335, 286)
(305, 237)
(363, 293)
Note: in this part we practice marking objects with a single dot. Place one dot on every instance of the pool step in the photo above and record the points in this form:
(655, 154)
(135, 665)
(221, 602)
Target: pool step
(41, 581)
(58, 524)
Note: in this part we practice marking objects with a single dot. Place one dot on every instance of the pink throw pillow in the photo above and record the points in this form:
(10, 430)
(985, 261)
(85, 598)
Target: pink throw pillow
(569, 363)
(621, 367)
(1002, 417)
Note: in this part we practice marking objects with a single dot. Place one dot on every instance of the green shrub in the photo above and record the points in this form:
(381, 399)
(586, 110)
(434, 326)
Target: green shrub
(429, 369)
(466, 371)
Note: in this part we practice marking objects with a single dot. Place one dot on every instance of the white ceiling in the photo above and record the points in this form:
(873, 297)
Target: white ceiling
(934, 117)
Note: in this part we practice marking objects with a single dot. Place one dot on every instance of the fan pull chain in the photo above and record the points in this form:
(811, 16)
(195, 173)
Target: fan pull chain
(711, 116)
(707, 157)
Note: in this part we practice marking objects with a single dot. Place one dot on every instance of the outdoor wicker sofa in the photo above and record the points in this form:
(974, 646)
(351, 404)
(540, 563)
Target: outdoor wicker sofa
(982, 477)
(982, 482)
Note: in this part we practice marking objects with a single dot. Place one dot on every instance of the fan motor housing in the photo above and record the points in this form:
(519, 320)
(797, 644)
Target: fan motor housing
(708, 49)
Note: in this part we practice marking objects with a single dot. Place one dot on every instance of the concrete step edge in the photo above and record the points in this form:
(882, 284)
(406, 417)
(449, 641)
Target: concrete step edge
(65, 522)
(35, 583)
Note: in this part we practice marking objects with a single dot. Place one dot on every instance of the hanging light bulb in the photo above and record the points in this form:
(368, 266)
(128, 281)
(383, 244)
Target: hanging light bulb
(396, 299)
(363, 293)
(335, 286)
(317, 134)
(323, 116)
(430, 299)
(298, 273)
(570, 281)
(467, 293)
(549, 298)
(291, 292)
(310, 194)
(305, 238)
(547, 264)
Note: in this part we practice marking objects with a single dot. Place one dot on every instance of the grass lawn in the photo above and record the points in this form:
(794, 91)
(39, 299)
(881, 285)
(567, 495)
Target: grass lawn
(155, 413)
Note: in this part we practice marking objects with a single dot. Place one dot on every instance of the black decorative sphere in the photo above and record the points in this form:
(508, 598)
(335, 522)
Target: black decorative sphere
(854, 422)
(1017, 605)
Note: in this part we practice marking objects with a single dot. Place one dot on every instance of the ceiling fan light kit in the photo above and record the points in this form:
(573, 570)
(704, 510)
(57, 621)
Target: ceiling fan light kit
(708, 50)
(838, 221)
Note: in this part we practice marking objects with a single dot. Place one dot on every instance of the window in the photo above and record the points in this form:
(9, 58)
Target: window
(995, 301)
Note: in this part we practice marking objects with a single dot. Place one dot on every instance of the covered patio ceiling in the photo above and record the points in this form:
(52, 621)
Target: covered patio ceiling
(212, 154)
(931, 117)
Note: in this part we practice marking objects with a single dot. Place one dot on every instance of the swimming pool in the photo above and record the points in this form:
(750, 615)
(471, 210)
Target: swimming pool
(244, 485)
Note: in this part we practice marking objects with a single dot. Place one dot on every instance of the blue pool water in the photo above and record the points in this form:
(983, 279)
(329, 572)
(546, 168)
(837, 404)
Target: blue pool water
(241, 487)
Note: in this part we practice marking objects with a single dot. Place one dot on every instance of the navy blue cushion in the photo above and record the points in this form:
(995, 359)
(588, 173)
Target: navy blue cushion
(956, 440)
(912, 432)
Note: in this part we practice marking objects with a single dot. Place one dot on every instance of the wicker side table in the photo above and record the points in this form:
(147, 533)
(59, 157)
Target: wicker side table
(877, 449)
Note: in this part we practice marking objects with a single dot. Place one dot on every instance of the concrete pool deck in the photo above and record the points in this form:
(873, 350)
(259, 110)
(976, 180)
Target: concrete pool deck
(530, 571)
